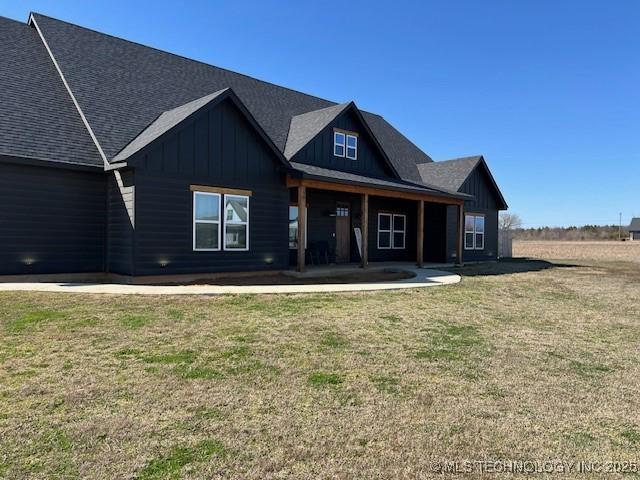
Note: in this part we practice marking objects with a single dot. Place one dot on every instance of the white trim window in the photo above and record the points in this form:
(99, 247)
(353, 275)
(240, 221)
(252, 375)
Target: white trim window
(206, 221)
(352, 147)
(384, 231)
(339, 144)
(474, 232)
(399, 231)
(293, 227)
(236, 222)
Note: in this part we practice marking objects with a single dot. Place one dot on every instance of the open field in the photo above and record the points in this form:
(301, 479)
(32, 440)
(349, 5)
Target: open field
(536, 365)
(589, 251)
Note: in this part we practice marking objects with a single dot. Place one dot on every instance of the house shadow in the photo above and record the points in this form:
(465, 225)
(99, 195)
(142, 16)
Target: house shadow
(507, 266)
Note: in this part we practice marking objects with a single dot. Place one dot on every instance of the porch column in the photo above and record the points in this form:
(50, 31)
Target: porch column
(365, 230)
(302, 226)
(420, 249)
(460, 233)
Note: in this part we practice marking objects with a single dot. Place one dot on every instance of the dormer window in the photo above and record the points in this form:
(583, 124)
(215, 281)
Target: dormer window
(339, 144)
(352, 147)
(345, 145)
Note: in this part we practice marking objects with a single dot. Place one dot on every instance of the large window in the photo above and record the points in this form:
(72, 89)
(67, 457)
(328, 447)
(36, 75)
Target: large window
(391, 231)
(474, 232)
(236, 222)
(293, 228)
(206, 221)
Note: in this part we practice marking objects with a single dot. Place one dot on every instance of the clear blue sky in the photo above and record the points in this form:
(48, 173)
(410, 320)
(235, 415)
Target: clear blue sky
(547, 90)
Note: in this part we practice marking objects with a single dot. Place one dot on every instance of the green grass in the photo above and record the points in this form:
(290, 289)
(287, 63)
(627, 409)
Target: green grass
(169, 465)
(321, 379)
(508, 364)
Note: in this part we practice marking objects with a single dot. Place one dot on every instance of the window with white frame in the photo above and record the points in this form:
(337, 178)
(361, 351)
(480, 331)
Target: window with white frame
(206, 221)
(474, 232)
(339, 144)
(384, 230)
(399, 231)
(236, 222)
(293, 228)
(352, 147)
(391, 231)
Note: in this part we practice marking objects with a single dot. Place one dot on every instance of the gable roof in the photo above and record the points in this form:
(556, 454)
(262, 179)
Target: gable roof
(634, 226)
(451, 174)
(38, 120)
(306, 126)
(122, 87)
(171, 118)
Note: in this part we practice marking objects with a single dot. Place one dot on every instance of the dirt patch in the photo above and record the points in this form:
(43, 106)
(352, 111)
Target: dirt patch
(282, 279)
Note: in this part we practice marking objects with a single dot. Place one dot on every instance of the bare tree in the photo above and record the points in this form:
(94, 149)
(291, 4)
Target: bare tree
(510, 221)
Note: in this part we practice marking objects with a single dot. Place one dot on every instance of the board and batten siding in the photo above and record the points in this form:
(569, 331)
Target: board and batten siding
(485, 203)
(52, 220)
(319, 151)
(218, 148)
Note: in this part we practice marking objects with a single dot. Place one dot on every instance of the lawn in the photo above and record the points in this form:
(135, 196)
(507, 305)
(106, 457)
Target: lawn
(523, 360)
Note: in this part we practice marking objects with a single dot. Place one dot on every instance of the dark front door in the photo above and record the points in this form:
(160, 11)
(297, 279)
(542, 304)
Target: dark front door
(343, 228)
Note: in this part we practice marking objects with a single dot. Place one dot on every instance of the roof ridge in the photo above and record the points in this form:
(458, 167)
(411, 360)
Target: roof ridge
(183, 57)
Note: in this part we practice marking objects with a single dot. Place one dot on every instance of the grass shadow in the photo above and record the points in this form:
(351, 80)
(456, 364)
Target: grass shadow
(508, 266)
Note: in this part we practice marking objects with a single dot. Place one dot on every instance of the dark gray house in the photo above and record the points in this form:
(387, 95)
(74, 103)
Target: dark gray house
(634, 229)
(117, 157)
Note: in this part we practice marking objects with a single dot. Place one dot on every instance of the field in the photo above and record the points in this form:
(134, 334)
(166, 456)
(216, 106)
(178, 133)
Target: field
(525, 360)
(585, 251)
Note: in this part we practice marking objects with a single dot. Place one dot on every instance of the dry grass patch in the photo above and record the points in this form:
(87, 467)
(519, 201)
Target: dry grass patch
(515, 362)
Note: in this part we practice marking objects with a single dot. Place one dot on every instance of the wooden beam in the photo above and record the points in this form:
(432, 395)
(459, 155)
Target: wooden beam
(460, 234)
(302, 226)
(420, 240)
(223, 190)
(379, 192)
(365, 230)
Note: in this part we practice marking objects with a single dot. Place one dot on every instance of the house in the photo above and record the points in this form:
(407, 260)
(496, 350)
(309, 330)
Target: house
(120, 158)
(634, 229)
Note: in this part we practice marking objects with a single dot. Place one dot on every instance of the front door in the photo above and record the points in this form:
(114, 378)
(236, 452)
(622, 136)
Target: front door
(343, 230)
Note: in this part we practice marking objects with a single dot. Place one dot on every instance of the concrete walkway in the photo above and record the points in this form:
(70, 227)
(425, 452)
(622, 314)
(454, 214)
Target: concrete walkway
(424, 277)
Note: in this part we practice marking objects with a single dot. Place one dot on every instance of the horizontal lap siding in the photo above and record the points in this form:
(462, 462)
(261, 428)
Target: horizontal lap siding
(120, 222)
(218, 148)
(51, 220)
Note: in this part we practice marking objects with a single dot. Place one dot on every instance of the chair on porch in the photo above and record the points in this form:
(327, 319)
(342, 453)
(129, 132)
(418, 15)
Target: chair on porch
(319, 253)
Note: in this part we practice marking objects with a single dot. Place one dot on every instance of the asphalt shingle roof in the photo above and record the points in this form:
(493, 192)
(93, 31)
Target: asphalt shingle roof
(38, 119)
(449, 174)
(306, 126)
(165, 122)
(635, 225)
(122, 87)
(329, 174)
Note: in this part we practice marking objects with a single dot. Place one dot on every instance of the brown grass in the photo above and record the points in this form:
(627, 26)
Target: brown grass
(596, 250)
(541, 364)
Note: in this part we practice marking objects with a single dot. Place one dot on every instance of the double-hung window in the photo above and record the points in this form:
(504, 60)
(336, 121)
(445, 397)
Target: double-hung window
(206, 221)
(215, 229)
(474, 232)
(391, 231)
(339, 143)
(236, 222)
(345, 145)
(399, 231)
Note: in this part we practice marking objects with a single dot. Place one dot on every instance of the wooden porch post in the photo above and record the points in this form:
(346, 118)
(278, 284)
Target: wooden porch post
(302, 226)
(420, 240)
(460, 233)
(365, 230)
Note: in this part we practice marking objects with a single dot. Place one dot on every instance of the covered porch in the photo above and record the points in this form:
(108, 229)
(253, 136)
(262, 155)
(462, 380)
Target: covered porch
(358, 224)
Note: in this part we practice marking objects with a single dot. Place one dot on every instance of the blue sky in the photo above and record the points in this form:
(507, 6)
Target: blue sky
(548, 91)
